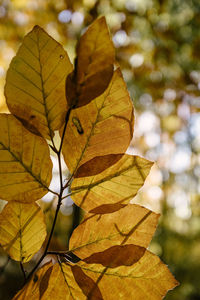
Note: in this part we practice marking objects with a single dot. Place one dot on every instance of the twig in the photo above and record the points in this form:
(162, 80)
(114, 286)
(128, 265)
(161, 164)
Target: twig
(23, 271)
(58, 152)
(53, 192)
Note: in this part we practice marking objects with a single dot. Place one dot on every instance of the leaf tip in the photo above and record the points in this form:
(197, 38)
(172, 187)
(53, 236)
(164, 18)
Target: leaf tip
(37, 28)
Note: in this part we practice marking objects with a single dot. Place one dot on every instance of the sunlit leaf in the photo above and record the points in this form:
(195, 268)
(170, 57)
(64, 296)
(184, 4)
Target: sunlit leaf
(148, 278)
(37, 285)
(94, 65)
(53, 282)
(104, 126)
(25, 164)
(117, 184)
(35, 83)
(62, 284)
(22, 230)
(132, 224)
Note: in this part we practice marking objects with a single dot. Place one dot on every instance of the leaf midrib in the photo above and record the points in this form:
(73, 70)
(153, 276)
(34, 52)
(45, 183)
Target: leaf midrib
(39, 180)
(92, 129)
(43, 90)
(117, 233)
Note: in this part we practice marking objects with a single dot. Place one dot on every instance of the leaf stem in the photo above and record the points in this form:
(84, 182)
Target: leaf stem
(53, 192)
(66, 196)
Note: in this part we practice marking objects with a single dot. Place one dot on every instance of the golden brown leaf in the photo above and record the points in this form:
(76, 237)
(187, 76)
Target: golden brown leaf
(35, 83)
(104, 126)
(148, 278)
(132, 224)
(117, 184)
(33, 289)
(94, 65)
(25, 164)
(62, 285)
(22, 230)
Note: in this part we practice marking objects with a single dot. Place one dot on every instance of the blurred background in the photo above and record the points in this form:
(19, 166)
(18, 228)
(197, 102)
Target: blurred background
(158, 48)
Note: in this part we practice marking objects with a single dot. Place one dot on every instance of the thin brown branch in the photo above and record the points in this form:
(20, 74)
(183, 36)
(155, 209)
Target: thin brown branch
(23, 271)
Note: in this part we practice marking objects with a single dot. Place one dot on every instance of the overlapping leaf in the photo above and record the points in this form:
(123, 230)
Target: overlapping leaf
(111, 241)
(116, 259)
(148, 278)
(117, 184)
(132, 224)
(104, 126)
(35, 83)
(37, 285)
(25, 164)
(22, 230)
(52, 282)
(94, 65)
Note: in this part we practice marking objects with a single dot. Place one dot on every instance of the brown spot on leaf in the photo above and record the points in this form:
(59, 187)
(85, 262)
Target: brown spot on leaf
(44, 281)
(117, 256)
(89, 288)
(97, 165)
(107, 208)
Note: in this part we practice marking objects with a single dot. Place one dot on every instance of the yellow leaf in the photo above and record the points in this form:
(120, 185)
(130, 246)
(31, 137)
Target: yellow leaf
(35, 83)
(94, 65)
(117, 184)
(62, 285)
(22, 230)
(25, 164)
(148, 278)
(37, 285)
(104, 126)
(53, 282)
(132, 224)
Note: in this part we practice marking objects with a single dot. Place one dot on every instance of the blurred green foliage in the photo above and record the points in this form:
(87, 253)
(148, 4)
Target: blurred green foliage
(158, 48)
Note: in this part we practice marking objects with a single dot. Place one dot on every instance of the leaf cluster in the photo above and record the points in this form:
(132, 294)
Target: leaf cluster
(90, 106)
